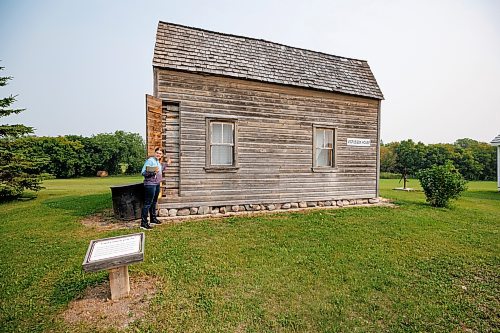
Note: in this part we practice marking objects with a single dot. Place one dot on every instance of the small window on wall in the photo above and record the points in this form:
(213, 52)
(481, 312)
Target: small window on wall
(221, 145)
(324, 147)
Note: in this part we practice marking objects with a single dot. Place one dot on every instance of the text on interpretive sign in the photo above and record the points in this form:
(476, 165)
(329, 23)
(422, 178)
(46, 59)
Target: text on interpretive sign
(110, 248)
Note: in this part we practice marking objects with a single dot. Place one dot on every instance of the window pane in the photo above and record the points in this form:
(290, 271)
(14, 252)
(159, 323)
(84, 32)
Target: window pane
(329, 138)
(227, 133)
(320, 138)
(323, 157)
(216, 133)
(222, 155)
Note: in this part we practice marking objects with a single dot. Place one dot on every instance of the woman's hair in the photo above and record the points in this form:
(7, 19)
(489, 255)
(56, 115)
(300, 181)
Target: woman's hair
(159, 149)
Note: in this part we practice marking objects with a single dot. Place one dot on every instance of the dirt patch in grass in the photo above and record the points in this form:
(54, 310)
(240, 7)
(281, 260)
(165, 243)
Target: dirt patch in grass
(96, 310)
(106, 220)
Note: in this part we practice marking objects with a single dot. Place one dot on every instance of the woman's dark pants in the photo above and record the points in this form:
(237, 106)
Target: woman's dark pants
(151, 193)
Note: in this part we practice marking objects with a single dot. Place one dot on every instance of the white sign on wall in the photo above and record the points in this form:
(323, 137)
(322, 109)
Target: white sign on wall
(358, 142)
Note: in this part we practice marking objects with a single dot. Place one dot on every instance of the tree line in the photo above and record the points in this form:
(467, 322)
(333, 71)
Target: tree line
(78, 156)
(25, 159)
(473, 159)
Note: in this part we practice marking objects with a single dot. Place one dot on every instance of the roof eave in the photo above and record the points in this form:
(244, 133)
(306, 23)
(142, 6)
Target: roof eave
(496, 141)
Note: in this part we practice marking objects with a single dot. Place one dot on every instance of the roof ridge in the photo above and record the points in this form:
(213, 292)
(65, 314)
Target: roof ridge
(259, 39)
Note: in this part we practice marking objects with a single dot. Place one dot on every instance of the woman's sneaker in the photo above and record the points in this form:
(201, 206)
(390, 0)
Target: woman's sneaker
(146, 227)
(156, 222)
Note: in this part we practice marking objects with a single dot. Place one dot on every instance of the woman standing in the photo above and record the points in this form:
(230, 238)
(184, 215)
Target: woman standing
(153, 176)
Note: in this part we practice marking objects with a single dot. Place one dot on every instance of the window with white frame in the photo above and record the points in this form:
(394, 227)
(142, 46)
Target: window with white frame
(221, 143)
(324, 147)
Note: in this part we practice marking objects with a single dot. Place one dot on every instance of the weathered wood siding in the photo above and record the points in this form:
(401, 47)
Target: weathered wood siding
(154, 125)
(275, 152)
(170, 120)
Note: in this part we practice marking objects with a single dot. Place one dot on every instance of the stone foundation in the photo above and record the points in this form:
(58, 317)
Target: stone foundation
(225, 210)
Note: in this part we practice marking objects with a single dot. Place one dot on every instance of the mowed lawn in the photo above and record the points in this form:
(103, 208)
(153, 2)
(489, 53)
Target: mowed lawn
(412, 268)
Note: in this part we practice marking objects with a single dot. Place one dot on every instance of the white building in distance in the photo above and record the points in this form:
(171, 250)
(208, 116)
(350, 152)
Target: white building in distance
(496, 142)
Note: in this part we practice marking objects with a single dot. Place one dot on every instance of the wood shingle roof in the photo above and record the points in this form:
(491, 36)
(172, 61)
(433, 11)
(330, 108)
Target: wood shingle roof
(201, 51)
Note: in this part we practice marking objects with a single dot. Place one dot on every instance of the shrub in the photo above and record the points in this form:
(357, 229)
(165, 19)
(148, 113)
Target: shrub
(441, 183)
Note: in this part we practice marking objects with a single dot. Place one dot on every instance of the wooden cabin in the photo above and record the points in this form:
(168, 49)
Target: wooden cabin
(251, 124)
(496, 142)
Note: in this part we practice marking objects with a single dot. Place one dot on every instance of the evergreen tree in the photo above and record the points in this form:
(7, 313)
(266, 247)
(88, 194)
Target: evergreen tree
(17, 171)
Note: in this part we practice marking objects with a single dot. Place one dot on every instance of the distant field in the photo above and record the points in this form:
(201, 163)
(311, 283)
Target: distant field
(407, 269)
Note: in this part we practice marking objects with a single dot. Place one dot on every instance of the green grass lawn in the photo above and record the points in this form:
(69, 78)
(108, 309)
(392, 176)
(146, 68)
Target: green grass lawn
(413, 268)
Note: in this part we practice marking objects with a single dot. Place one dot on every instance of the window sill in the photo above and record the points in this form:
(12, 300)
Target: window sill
(222, 169)
(324, 169)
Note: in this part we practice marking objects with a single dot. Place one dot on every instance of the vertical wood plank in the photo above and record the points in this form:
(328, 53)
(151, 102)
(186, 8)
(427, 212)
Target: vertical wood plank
(119, 282)
(171, 123)
(154, 128)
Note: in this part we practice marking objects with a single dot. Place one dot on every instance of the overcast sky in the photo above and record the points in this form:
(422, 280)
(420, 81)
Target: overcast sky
(83, 67)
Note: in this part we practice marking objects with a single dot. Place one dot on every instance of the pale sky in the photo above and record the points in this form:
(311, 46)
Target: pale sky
(83, 67)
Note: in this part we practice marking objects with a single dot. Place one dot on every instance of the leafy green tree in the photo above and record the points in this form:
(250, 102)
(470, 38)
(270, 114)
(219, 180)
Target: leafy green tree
(75, 156)
(437, 154)
(132, 151)
(441, 183)
(467, 165)
(466, 143)
(111, 152)
(409, 157)
(486, 155)
(388, 158)
(107, 153)
(63, 155)
(474, 160)
(18, 172)
(477, 160)
(87, 155)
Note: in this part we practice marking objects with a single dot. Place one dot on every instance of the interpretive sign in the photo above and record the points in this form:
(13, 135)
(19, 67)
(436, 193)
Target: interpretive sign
(358, 142)
(114, 252)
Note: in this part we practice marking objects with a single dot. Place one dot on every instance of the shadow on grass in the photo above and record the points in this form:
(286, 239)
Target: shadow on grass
(81, 205)
(489, 195)
(402, 200)
(27, 195)
(72, 283)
